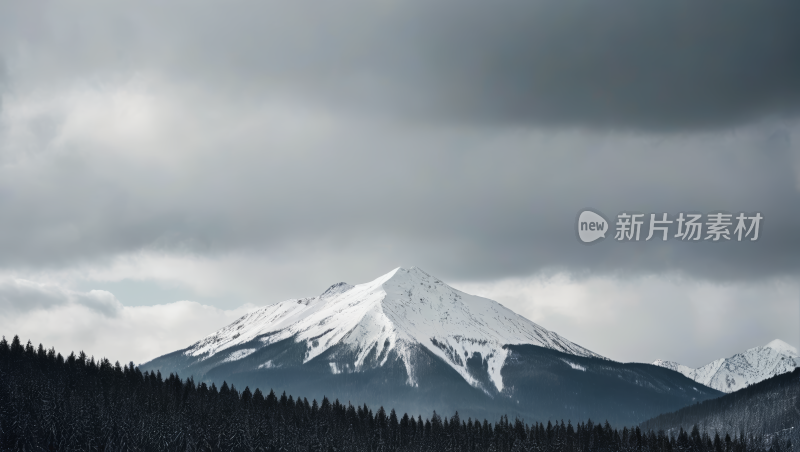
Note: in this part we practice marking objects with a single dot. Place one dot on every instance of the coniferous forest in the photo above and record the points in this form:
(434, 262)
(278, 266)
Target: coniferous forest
(770, 408)
(48, 402)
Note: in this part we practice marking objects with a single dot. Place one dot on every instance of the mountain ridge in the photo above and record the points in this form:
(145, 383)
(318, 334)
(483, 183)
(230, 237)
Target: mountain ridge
(408, 340)
(392, 312)
(742, 369)
(767, 409)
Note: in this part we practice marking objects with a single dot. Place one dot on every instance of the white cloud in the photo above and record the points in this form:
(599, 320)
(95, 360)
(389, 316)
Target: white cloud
(231, 279)
(656, 317)
(638, 319)
(21, 296)
(98, 324)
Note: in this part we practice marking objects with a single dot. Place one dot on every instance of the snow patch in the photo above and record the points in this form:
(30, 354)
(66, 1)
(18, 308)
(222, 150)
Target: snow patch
(574, 366)
(495, 362)
(239, 354)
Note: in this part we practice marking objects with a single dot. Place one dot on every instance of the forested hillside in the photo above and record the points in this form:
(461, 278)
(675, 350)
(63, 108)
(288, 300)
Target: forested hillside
(770, 409)
(48, 402)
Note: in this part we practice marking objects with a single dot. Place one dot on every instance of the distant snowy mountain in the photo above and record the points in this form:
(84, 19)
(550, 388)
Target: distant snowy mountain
(742, 369)
(410, 341)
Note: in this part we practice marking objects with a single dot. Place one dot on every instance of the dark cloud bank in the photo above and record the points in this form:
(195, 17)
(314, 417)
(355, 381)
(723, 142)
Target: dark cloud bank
(656, 66)
(626, 64)
(499, 121)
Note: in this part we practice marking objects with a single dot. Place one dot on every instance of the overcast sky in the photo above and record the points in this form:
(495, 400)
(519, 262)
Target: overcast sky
(166, 167)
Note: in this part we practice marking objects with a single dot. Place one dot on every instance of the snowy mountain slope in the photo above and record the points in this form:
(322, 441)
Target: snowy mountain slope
(393, 313)
(407, 340)
(742, 369)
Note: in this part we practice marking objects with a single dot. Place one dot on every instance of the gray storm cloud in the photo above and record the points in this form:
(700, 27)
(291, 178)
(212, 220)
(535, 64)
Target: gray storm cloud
(634, 65)
(483, 205)
(465, 135)
(248, 152)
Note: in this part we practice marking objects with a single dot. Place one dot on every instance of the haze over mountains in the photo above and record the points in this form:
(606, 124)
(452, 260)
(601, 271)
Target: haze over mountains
(742, 369)
(408, 340)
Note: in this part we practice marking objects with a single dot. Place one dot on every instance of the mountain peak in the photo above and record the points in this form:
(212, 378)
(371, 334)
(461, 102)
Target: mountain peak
(782, 347)
(742, 369)
(402, 274)
(336, 289)
(399, 312)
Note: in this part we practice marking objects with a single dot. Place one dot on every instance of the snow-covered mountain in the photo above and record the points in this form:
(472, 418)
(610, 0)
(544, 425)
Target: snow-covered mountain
(742, 369)
(396, 312)
(409, 341)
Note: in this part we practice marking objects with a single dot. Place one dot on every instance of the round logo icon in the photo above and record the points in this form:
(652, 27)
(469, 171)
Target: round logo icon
(591, 226)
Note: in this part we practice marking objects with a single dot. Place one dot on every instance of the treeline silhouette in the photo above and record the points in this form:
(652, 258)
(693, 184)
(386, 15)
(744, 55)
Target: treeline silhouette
(48, 402)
